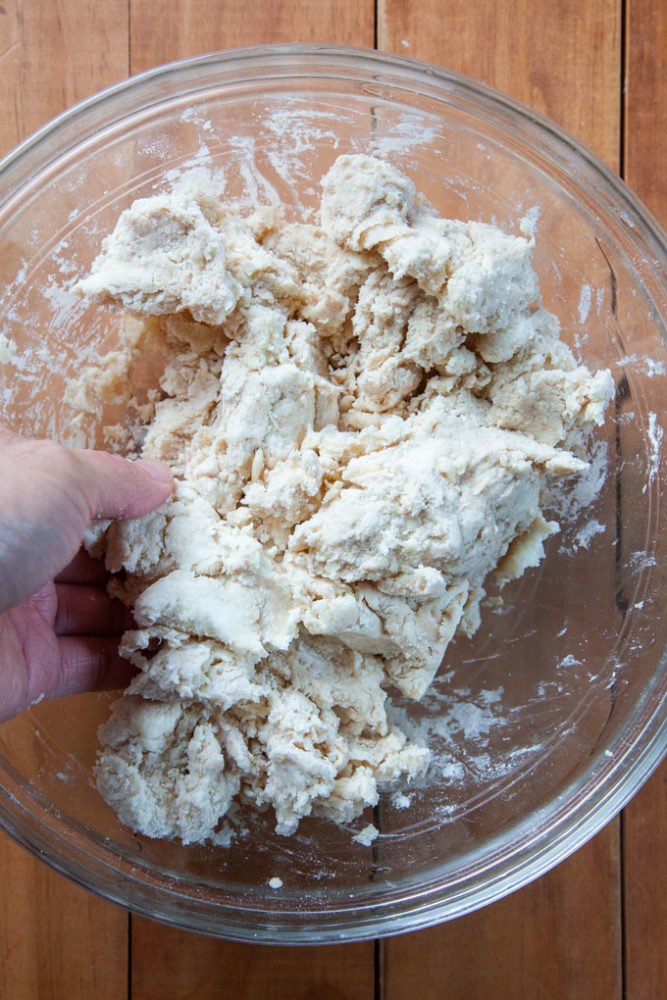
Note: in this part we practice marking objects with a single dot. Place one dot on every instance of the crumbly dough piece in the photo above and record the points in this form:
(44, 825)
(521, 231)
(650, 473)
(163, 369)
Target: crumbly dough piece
(365, 418)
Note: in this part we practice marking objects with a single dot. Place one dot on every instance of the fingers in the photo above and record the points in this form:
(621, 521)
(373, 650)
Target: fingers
(48, 496)
(83, 569)
(35, 663)
(87, 484)
(88, 610)
(89, 663)
(118, 488)
(89, 623)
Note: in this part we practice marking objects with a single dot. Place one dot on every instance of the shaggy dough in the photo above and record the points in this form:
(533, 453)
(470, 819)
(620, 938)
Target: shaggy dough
(365, 418)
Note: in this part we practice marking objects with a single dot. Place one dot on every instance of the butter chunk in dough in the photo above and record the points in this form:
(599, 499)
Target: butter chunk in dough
(366, 417)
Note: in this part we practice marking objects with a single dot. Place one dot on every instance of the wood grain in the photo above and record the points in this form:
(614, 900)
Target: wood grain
(557, 938)
(645, 890)
(562, 58)
(645, 145)
(196, 26)
(645, 819)
(56, 940)
(55, 54)
(176, 965)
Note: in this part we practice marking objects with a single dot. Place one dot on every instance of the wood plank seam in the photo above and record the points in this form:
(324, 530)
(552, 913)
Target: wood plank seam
(621, 171)
(623, 915)
(622, 111)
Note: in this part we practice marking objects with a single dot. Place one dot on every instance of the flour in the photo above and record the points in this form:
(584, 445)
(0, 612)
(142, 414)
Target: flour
(7, 349)
(366, 416)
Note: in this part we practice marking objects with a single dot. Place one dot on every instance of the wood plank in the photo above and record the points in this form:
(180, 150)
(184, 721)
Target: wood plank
(645, 819)
(166, 962)
(55, 54)
(196, 26)
(645, 890)
(562, 58)
(560, 936)
(176, 965)
(56, 940)
(557, 938)
(645, 145)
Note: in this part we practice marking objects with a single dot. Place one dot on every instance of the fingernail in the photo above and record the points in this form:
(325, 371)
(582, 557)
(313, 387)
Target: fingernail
(157, 470)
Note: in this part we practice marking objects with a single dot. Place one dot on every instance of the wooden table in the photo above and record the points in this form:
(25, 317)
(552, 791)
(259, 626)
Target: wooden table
(595, 927)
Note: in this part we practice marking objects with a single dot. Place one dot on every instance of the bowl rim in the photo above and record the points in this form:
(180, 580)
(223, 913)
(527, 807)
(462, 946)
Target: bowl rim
(566, 835)
(278, 52)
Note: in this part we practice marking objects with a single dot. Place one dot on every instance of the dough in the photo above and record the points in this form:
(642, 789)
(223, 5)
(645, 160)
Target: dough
(365, 418)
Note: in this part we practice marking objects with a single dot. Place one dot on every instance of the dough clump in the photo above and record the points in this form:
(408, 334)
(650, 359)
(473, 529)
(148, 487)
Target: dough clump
(365, 416)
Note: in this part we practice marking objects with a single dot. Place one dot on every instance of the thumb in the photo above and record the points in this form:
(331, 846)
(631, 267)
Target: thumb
(49, 494)
(117, 488)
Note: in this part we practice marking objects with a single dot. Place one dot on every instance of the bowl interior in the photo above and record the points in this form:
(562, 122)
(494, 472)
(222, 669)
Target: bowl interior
(541, 723)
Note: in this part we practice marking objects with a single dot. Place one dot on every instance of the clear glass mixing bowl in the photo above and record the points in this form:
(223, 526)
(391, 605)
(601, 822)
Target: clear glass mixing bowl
(546, 722)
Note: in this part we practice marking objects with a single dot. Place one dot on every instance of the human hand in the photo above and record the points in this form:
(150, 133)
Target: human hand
(59, 629)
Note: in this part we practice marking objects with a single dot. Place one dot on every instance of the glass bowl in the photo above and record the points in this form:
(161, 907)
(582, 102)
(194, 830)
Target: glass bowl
(551, 717)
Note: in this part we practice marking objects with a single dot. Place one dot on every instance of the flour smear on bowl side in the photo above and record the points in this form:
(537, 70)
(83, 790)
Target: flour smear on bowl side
(365, 416)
